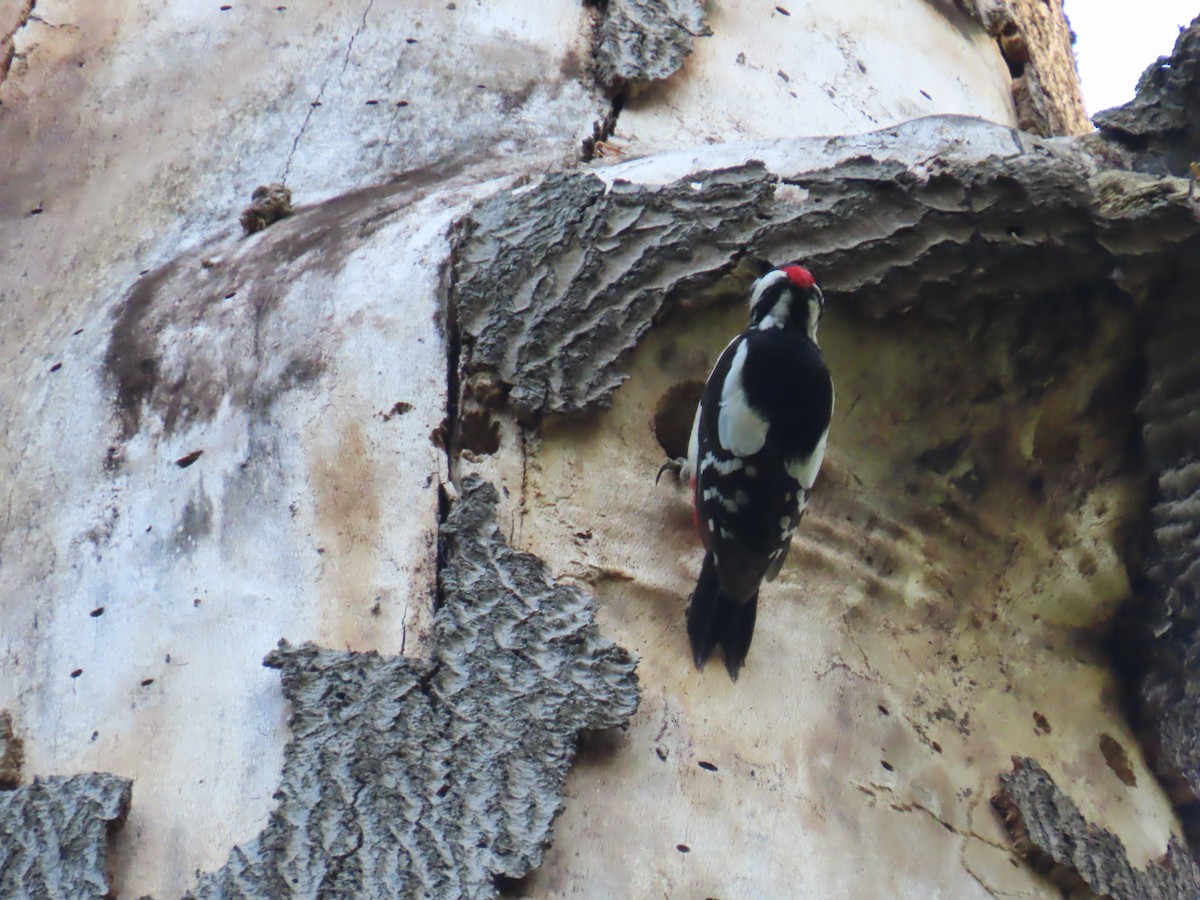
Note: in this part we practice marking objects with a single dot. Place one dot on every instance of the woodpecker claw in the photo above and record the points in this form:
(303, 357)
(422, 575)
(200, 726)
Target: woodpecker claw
(674, 466)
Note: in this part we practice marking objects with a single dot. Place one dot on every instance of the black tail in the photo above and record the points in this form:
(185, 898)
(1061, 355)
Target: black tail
(716, 619)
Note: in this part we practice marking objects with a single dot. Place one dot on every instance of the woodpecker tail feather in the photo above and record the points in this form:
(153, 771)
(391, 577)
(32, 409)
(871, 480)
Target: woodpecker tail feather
(716, 619)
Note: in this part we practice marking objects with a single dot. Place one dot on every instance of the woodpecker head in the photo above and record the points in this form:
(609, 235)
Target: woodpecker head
(787, 297)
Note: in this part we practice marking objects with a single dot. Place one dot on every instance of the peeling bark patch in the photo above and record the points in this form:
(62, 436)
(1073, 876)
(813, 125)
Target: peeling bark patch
(12, 753)
(639, 41)
(54, 835)
(1160, 126)
(1050, 832)
(414, 779)
(554, 284)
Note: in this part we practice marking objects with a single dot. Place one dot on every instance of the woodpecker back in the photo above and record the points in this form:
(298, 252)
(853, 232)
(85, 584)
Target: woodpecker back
(758, 440)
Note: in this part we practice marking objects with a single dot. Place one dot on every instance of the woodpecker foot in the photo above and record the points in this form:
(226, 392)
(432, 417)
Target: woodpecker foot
(675, 466)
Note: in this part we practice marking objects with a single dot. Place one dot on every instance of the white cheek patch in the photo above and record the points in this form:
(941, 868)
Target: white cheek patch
(740, 429)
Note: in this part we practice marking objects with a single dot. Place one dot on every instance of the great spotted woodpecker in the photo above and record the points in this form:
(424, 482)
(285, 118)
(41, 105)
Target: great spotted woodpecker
(758, 440)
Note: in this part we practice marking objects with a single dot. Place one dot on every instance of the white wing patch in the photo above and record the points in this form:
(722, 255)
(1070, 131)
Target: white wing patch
(740, 429)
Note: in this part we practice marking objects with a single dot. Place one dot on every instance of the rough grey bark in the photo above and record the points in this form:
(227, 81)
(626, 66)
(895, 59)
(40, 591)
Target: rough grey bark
(1085, 861)
(555, 284)
(1170, 618)
(1160, 130)
(432, 779)
(639, 41)
(54, 835)
(1160, 126)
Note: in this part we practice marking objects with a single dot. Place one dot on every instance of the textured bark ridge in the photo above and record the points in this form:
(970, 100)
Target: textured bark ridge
(431, 779)
(1085, 861)
(1160, 126)
(1170, 619)
(643, 40)
(54, 835)
(555, 283)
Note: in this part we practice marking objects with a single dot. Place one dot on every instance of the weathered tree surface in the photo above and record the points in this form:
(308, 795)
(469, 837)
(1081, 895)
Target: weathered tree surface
(1007, 433)
(1085, 861)
(407, 778)
(219, 439)
(54, 835)
(1160, 126)
(1036, 42)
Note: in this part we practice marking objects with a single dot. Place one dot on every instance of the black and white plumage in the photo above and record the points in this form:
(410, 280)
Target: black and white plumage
(758, 440)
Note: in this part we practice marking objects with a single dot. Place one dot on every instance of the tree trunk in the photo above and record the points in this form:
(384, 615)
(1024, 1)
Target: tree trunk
(394, 427)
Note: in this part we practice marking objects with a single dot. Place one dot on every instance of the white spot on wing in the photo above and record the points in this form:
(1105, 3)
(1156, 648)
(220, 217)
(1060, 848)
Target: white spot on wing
(723, 467)
(740, 429)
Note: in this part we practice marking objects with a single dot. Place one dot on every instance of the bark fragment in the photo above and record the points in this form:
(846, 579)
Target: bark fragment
(1085, 861)
(640, 41)
(415, 779)
(12, 753)
(54, 835)
(270, 203)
